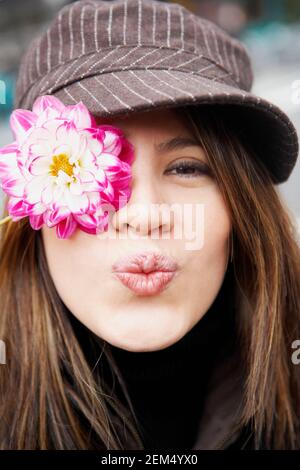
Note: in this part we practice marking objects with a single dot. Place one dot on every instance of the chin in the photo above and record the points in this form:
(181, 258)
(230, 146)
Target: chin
(143, 341)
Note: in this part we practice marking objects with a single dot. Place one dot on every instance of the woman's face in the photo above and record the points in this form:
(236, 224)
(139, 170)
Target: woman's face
(195, 235)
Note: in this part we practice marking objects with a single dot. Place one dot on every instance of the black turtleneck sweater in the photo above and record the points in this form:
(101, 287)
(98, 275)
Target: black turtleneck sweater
(167, 387)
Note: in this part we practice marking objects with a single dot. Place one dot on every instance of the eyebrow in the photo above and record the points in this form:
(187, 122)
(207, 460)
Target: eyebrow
(176, 143)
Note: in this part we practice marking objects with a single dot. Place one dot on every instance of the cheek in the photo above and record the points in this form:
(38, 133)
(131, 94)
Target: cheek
(217, 225)
(207, 266)
(76, 268)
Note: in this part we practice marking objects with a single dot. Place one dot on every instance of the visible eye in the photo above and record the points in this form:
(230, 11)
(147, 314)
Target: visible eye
(190, 169)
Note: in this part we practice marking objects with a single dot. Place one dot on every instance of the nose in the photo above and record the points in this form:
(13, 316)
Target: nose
(146, 213)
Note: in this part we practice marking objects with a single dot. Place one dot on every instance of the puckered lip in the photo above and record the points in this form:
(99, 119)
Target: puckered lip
(145, 262)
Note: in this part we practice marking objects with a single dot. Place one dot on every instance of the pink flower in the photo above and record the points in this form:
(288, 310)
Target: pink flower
(63, 169)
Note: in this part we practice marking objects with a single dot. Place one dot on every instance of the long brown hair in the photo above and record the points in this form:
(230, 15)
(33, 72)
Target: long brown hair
(53, 395)
(266, 262)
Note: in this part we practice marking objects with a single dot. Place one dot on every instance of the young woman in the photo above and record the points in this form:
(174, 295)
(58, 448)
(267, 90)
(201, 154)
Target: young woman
(97, 359)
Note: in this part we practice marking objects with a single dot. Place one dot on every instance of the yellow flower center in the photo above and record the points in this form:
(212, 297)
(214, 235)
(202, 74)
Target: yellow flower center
(61, 162)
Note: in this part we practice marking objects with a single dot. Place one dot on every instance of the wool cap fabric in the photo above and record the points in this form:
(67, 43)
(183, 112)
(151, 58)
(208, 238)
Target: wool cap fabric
(124, 56)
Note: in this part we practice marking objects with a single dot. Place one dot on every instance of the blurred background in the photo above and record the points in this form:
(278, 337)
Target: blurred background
(270, 30)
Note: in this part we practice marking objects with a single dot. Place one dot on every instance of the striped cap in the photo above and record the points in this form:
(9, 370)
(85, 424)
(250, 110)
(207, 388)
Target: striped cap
(124, 56)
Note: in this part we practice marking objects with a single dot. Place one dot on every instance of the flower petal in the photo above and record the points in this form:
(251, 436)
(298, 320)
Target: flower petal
(8, 162)
(9, 149)
(36, 209)
(87, 220)
(62, 148)
(66, 227)
(87, 159)
(76, 187)
(21, 121)
(79, 114)
(47, 101)
(47, 193)
(16, 207)
(86, 176)
(108, 162)
(37, 135)
(40, 165)
(36, 221)
(67, 134)
(41, 148)
(95, 146)
(112, 141)
(77, 204)
(51, 124)
(127, 153)
(53, 217)
(14, 186)
(34, 187)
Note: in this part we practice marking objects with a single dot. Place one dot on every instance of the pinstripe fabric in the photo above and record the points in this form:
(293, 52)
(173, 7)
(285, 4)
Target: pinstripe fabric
(129, 55)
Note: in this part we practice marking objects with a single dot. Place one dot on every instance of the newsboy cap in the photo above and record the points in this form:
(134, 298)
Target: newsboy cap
(124, 56)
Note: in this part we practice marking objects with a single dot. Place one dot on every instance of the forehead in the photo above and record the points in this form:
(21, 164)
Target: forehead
(159, 121)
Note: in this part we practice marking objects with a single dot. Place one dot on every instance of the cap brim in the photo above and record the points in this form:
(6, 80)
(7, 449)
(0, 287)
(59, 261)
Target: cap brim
(124, 92)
